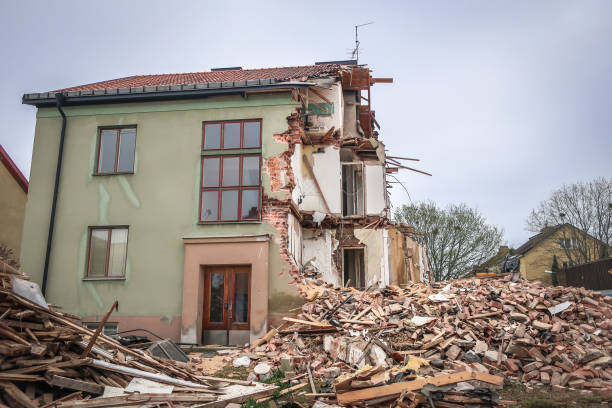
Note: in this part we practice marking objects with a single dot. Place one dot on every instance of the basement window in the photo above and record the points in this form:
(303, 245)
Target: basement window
(109, 329)
(116, 148)
(352, 189)
(354, 267)
(107, 252)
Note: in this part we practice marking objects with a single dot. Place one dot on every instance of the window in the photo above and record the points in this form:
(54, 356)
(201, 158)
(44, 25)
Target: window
(231, 180)
(568, 243)
(352, 189)
(116, 149)
(107, 252)
(109, 329)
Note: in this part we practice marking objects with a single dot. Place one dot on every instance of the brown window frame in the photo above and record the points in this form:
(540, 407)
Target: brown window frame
(106, 269)
(97, 171)
(222, 136)
(222, 154)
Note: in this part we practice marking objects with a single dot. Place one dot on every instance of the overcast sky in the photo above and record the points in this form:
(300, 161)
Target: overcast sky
(503, 101)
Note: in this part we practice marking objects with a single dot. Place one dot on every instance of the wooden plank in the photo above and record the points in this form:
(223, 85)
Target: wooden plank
(20, 377)
(305, 322)
(352, 397)
(11, 390)
(93, 338)
(78, 385)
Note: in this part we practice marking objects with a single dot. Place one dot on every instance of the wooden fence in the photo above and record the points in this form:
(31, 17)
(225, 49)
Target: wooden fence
(595, 275)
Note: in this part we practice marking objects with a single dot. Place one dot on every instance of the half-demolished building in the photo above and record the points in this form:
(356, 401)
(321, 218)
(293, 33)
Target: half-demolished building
(196, 199)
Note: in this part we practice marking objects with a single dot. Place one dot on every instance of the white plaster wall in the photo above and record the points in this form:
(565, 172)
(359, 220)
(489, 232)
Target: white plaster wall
(327, 169)
(375, 254)
(375, 189)
(298, 176)
(318, 245)
(323, 123)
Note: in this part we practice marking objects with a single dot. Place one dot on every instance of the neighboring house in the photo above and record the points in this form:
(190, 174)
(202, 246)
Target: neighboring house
(493, 264)
(196, 199)
(13, 197)
(569, 244)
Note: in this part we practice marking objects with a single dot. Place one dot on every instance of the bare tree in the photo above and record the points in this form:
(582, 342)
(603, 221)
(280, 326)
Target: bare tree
(457, 238)
(587, 206)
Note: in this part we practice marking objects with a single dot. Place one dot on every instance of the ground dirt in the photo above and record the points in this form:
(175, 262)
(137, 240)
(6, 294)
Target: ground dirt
(546, 397)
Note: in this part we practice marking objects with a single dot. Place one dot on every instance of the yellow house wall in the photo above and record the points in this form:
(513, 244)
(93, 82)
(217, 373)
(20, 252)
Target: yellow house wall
(540, 258)
(12, 210)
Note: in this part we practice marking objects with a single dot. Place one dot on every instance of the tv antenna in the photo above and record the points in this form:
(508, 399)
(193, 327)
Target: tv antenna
(355, 54)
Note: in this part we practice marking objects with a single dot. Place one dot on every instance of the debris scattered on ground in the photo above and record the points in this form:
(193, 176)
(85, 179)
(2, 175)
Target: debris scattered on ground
(48, 359)
(449, 344)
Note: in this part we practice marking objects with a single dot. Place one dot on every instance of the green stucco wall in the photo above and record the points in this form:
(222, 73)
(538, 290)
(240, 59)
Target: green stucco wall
(159, 202)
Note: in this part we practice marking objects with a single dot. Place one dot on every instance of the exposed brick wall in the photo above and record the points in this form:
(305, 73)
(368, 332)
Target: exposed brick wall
(282, 178)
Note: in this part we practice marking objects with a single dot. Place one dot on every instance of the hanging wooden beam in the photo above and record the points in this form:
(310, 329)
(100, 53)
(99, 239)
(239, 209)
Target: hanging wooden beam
(381, 80)
(320, 95)
(403, 158)
(314, 178)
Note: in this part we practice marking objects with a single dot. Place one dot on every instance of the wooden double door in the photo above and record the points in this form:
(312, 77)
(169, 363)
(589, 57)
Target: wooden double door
(227, 298)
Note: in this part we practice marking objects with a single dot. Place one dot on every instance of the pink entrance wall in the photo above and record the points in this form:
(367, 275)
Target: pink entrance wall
(248, 250)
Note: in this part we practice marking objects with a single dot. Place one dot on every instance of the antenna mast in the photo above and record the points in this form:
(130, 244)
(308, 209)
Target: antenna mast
(355, 53)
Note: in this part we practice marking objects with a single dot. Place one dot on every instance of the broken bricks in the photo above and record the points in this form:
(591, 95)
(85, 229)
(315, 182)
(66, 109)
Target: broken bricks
(485, 326)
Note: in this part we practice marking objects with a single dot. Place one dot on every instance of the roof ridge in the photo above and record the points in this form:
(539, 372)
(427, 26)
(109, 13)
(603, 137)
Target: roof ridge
(225, 70)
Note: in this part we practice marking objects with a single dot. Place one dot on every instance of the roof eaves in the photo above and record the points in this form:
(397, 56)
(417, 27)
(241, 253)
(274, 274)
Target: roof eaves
(140, 93)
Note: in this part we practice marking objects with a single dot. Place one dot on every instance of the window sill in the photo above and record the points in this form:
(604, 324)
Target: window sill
(105, 278)
(126, 173)
(229, 222)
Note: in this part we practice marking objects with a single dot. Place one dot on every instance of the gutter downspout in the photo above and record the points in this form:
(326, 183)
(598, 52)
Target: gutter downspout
(59, 101)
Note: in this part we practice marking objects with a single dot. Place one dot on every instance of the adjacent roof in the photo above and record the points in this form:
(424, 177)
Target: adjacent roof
(187, 85)
(13, 169)
(232, 75)
(545, 233)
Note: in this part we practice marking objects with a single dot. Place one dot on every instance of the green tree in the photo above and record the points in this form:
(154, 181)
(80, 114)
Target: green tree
(555, 271)
(457, 238)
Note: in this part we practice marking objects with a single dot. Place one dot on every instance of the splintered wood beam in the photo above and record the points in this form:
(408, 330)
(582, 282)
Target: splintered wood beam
(381, 80)
(320, 95)
(389, 170)
(93, 338)
(418, 171)
(403, 158)
(352, 397)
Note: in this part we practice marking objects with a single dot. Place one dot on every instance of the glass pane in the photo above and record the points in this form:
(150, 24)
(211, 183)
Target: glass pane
(250, 204)
(241, 298)
(212, 136)
(229, 205)
(217, 283)
(231, 136)
(250, 171)
(210, 205)
(127, 146)
(118, 251)
(210, 178)
(108, 148)
(252, 131)
(230, 171)
(98, 251)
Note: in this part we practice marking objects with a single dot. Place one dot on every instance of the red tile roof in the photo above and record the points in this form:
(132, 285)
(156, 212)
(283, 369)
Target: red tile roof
(13, 169)
(281, 74)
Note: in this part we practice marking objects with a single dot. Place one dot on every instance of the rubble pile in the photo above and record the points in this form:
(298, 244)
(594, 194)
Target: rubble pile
(47, 359)
(491, 330)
